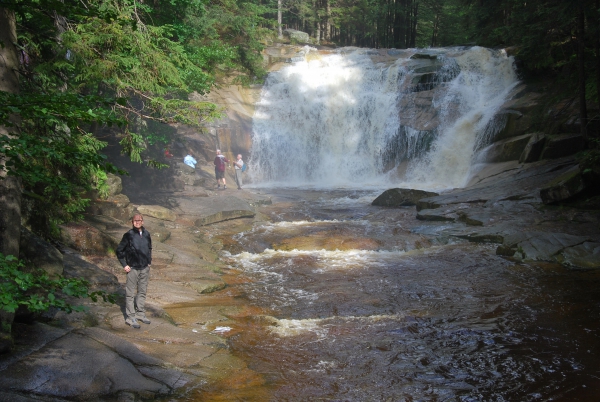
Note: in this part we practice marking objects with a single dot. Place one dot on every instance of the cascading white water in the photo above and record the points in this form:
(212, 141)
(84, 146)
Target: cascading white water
(336, 121)
(466, 109)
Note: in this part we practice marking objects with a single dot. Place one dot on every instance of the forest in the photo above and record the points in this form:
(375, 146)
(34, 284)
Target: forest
(71, 68)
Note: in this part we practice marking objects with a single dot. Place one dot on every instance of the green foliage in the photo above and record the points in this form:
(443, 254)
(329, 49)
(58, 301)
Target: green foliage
(37, 292)
(55, 163)
(93, 64)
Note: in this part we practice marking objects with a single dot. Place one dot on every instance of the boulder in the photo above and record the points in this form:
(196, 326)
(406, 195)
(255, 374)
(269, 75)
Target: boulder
(114, 183)
(39, 253)
(296, 36)
(115, 206)
(562, 145)
(506, 150)
(563, 187)
(586, 255)
(541, 246)
(519, 115)
(401, 197)
(77, 267)
(158, 212)
(533, 149)
(87, 239)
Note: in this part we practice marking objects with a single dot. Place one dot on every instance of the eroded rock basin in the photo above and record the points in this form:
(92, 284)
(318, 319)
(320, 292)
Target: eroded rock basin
(322, 296)
(408, 311)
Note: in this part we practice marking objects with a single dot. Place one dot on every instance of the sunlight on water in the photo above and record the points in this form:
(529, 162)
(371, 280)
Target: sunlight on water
(321, 326)
(335, 120)
(324, 260)
(441, 321)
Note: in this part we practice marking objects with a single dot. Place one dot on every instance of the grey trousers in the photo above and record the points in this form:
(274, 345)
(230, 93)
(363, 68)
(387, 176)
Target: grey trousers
(238, 177)
(137, 280)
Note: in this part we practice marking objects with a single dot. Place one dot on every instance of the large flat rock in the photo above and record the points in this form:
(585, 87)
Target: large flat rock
(91, 362)
(215, 209)
(520, 181)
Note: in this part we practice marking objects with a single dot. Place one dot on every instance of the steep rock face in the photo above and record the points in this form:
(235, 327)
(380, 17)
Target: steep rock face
(565, 186)
(40, 254)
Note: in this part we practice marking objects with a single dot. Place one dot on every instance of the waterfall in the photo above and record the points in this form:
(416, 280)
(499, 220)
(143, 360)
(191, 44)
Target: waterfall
(364, 117)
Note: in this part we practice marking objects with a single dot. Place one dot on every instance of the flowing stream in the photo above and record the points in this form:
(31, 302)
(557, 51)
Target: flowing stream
(357, 303)
(360, 303)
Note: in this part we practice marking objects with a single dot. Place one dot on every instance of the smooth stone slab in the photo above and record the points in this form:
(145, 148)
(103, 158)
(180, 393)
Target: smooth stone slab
(79, 366)
(216, 209)
(586, 255)
(156, 211)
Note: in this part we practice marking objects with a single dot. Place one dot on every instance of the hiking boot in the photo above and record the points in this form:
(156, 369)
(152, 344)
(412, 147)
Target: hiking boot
(218, 186)
(224, 187)
(132, 322)
(144, 319)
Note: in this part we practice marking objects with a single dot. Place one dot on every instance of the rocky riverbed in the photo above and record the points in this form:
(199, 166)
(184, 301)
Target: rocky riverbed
(94, 355)
(183, 354)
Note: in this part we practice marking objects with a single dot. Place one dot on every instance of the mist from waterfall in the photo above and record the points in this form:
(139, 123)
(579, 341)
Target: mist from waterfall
(343, 120)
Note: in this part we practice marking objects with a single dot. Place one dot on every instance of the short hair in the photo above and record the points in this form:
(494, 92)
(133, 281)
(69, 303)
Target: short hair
(218, 151)
(136, 215)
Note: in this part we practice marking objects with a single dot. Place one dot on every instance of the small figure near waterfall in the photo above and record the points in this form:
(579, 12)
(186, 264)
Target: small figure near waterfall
(220, 165)
(135, 254)
(190, 161)
(239, 169)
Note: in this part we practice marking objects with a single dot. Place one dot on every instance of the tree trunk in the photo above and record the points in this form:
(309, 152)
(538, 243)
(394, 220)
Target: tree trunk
(10, 186)
(328, 21)
(413, 33)
(581, 69)
(435, 29)
(317, 23)
(279, 20)
(597, 45)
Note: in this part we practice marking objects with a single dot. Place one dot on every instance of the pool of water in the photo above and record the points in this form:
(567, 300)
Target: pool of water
(368, 304)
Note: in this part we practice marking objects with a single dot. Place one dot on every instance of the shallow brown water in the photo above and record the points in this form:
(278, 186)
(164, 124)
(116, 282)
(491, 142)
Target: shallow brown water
(403, 313)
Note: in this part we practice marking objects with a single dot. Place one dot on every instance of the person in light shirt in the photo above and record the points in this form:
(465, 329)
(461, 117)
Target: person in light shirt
(239, 164)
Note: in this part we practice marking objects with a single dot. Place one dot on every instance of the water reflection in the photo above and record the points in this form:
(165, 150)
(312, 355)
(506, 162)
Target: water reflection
(439, 322)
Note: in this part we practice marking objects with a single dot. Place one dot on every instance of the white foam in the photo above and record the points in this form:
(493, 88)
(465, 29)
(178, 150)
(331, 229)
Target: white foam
(320, 326)
(325, 260)
(326, 121)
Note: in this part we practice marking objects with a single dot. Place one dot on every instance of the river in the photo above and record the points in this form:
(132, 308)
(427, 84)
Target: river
(352, 302)
(359, 303)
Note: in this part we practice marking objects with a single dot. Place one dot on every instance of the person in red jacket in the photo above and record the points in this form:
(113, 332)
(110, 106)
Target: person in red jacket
(220, 165)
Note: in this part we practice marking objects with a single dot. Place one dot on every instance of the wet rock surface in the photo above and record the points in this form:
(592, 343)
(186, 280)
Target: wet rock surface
(94, 354)
(507, 205)
(401, 197)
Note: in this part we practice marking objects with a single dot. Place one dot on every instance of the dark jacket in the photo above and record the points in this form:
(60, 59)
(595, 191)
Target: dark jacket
(135, 250)
(220, 162)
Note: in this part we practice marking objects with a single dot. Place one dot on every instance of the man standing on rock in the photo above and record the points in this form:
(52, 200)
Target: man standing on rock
(220, 164)
(239, 165)
(135, 254)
